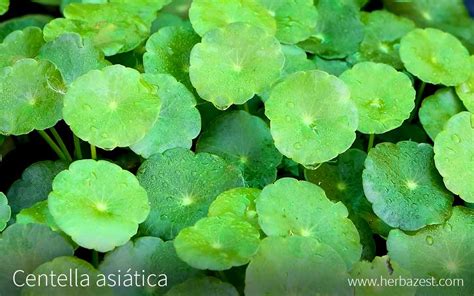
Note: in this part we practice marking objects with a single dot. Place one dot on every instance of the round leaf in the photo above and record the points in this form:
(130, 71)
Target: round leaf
(295, 20)
(437, 109)
(4, 5)
(203, 286)
(56, 286)
(112, 107)
(245, 141)
(5, 211)
(19, 23)
(181, 185)
(20, 44)
(37, 213)
(406, 191)
(30, 97)
(234, 63)
(465, 90)
(208, 15)
(238, 202)
(290, 207)
(384, 97)
(98, 204)
(179, 121)
(454, 156)
(73, 56)
(312, 118)
(388, 270)
(25, 247)
(296, 266)
(34, 185)
(217, 243)
(435, 57)
(441, 251)
(168, 51)
(147, 255)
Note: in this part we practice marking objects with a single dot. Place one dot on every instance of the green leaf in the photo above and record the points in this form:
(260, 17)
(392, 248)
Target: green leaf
(98, 204)
(406, 191)
(35, 184)
(384, 97)
(20, 44)
(86, 283)
(465, 90)
(4, 5)
(203, 286)
(383, 31)
(338, 32)
(245, 141)
(20, 23)
(168, 51)
(296, 266)
(382, 267)
(333, 67)
(25, 247)
(112, 27)
(111, 107)
(238, 202)
(147, 255)
(437, 109)
(291, 207)
(435, 57)
(440, 251)
(208, 15)
(295, 20)
(312, 118)
(181, 185)
(234, 63)
(5, 211)
(454, 156)
(31, 97)
(73, 56)
(217, 243)
(179, 121)
(37, 213)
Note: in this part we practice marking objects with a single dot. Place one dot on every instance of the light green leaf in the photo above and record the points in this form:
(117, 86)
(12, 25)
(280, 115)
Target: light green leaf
(168, 51)
(98, 204)
(147, 255)
(31, 97)
(217, 243)
(295, 20)
(290, 207)
(4, 5)
(208, 15)
(203, 286)
(20, 44)
(111, 107)
(435, 57)
(312, 118)
(406, 191)
(465, 90)
(384, 97)
(333, 67)
(439, 251)
(245, 141)
(454, 156)
(181, 185)
(296, 266)
(73, 56)
(5, 211)
(25, 247)
(437, 109)
(234, 63)
(37, 213)
(179, 121)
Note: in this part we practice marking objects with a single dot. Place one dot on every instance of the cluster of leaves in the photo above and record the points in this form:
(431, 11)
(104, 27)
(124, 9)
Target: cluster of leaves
(232, 143)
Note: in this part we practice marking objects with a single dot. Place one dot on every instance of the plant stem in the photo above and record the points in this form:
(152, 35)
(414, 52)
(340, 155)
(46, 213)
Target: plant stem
(93, 152)
(246, 107)
(77, 147)
(371, 142)
(95, 258)
(61, 143)
(52, 144)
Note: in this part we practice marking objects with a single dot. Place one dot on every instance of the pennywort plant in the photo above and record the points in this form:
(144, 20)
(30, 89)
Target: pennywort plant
(238, 147)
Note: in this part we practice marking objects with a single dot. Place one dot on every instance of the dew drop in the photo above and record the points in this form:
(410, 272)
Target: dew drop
(290, 105)
(297, 145)
(429, 240)
(455, 138)
(104, 135)
(87, 107)
(94, 129)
